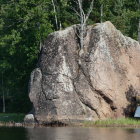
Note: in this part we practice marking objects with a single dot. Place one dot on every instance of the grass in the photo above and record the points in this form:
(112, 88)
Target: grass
(11, 117)
(123, 122)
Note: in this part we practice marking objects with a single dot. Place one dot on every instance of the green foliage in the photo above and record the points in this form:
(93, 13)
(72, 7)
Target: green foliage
(12, 117)
(24, 25)
(111, 122)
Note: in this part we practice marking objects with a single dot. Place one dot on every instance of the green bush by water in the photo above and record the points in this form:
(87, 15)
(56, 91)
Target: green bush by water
(114, 122)
(11, 117)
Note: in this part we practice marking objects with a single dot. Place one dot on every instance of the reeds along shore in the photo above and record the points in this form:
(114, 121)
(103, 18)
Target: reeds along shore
(11, 124)
(122, 122)
(17, 120)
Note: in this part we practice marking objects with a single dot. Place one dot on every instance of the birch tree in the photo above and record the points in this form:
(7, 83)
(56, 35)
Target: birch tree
(57, 15)
(83, 21)
(101, 13)
(3, 96)
(139, 26)
(56, 19)
(139, 31)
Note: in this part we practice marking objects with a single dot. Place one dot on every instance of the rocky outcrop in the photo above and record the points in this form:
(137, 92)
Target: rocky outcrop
(100, 83)
(29, 118)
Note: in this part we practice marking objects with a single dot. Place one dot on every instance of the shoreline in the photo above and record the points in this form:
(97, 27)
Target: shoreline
(14, 124)
(17, 120)
(82, 125)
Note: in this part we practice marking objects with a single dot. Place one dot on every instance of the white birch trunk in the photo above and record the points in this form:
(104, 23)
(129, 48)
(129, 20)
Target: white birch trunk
(139, 26)
(102, 13)
(83, 20)
(3, 96)
(139, 31)
(56, 19)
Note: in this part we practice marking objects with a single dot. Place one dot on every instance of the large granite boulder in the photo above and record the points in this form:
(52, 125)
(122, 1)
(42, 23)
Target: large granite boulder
(100, 83)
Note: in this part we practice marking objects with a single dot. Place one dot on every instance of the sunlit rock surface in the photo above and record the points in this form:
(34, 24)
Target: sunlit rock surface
(101, 83)
(29, 118)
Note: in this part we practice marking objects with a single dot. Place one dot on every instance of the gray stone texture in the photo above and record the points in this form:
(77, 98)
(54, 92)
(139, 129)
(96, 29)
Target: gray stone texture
(100, 83)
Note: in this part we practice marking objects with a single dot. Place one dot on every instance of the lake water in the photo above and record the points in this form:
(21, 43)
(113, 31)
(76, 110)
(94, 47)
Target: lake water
(66, 133)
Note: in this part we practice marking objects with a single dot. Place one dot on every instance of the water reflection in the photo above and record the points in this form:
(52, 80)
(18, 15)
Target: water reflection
(13, 133)
(83, 134)
(66, 133)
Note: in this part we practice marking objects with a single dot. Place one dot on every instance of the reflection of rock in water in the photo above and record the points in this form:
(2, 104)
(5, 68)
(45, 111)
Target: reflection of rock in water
(58, 134)
(13, 133)
(83, 134)
(136, 131)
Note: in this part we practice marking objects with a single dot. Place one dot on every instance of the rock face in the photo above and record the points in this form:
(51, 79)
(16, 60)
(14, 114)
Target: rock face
(29, 118)
(100, 83)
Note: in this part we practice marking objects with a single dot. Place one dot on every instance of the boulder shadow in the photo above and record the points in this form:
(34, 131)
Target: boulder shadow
(131, 94)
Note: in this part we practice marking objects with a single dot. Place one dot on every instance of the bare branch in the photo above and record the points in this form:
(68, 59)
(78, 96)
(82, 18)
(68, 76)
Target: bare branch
(75, 11)
(90, 10)
(75, 2)
(81, 10)
(83, 19)
(101, 13)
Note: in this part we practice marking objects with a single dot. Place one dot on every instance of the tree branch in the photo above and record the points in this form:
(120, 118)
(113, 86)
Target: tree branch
(90, 10)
